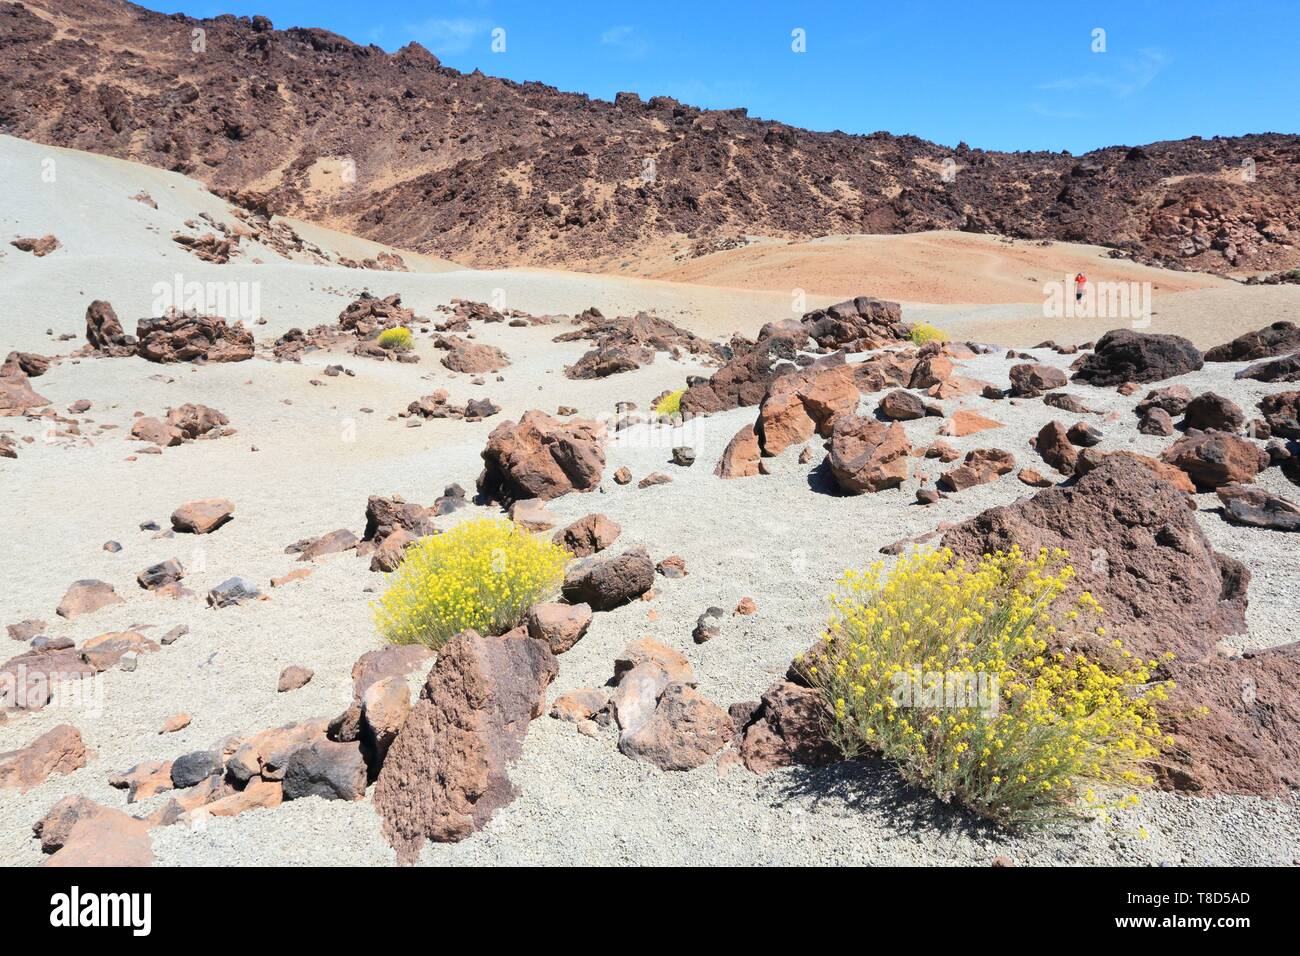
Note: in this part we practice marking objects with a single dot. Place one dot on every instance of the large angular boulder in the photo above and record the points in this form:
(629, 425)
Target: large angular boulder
(202, 516)
(609, 581)
(85, 597)
(1126, 355)
(540, 457)
(1281, 412)
(1211, 410)
(472, 358)
(1284, 369)
(328, 769)
(801, 403)
(16, 393)
(196, 421)
(1276, 339)
(1133, 543)
(1215, 458)
(80, 833)
(38, 677)
(743, 379)
(368, 314)
(740, 459)
(189, 337)
(104, 333)
(1053, 443)
(1030, 380)
(1235, 723)
(559, 625)
(979, 467)
(610, 360)
(858, 325)
(58, 751)
(788, 727)
(446, 773)
(867, 455)
(683, 732)
(1257, 508)
(588, 535)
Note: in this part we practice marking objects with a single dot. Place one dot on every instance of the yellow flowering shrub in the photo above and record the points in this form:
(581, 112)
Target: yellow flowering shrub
(671, 403)
(945, 670)
(924, 332)
(397, 340)
(483, 574)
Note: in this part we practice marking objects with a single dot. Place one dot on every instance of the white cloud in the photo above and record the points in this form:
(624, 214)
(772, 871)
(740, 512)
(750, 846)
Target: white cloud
(1128, 74)
(626, 40)
(444, 36)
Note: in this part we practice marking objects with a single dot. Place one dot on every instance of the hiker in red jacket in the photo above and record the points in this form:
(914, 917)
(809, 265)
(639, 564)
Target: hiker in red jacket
(1080, 280)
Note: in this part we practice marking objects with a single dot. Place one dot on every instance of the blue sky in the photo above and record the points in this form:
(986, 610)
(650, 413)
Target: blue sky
(1006, 75)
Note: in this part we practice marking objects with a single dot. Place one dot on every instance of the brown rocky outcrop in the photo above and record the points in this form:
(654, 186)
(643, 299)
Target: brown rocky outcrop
(1029, 380)
(16, 393)
(857, 325)
(1215, 458)
(59, 750)
(1136, 546)
(867, 455)
(104, 333)
(189, 337)
(979, 467)
(587, 535)
(740, 459)
(1279, 338)
(446, 773)
(540, 457)
(1126, 355)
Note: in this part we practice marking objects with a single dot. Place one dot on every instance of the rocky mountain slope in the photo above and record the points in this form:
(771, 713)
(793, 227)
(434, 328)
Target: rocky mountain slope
(402, 150)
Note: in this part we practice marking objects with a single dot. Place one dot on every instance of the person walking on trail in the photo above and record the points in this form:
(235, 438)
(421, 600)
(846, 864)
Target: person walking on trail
(1080, 280)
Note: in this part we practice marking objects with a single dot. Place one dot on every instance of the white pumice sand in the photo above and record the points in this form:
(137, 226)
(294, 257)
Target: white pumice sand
(305, 457)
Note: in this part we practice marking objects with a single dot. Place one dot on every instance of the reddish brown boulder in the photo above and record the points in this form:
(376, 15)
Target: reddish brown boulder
(559, 625)
(965, 422)
(1172, 399)
(85, 597)
(1136, 546)
(16, 393)
(787, 728)
(609, 581)
(58, 751)
(1210, 410)
(743, 379)
(800, 403)
(857, 325)
(1276, 339)
(293, 677)
(107, 650)
(581, 704)
(901, 406)
(447, 771)
(80, 833)
(1216, 458)
(867, 455)
(336, 542)
(1088, 460)
(740, 459)
(189, 337)
(104, 332)
(472, 358)
(1054, 445)
(1156, 421)
(154, 431)
(682, 733)
(1281, 411)
(609, 360)
(933, 369)
(541, 457)
(368, 314)
(386, 515)
(1257, 508)
(1284, 369)
(1029, 380)
(196, 421)
(588, 535)
(202, 516)
(34, 678)
(1249, 741)
(979, 467)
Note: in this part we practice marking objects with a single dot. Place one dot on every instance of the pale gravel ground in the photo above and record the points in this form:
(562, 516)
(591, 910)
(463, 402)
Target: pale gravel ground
(777, 538)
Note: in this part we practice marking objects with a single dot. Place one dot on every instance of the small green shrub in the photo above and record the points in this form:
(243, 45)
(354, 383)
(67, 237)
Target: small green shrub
(396, 340)
(483, 574)
(944, 670)
(924, 332)
(670, 404)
